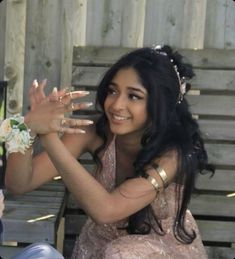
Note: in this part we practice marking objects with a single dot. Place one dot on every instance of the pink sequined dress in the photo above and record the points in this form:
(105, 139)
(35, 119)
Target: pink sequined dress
(108, 241)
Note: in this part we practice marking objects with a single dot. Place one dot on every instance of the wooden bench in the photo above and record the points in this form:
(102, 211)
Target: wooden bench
(212, 101)
(36, 216)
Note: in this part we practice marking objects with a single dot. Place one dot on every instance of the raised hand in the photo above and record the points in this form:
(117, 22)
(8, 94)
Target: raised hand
(47, 113)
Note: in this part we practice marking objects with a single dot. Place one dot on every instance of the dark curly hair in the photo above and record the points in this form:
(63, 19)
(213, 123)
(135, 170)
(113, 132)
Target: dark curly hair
(172, 127)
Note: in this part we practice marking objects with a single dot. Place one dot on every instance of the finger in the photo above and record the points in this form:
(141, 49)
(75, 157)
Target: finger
(40, 89)
(32, 89)
(69, 122)
(76, 94)
(53, 97)
(78, 106)
(76, 122)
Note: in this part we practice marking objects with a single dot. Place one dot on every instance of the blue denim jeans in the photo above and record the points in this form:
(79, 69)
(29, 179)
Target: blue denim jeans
(38, 251)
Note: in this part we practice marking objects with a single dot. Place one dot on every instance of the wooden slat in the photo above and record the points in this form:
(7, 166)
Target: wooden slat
(211, 205)
(221, 154)
(217, 231)
(214, 252)
(29, 232)
(222, 180)
(164, 24)
(74, 223)
(21, 208)
(208, 79)
(204, 79)
(114, 23)
(207, 58)
(217, 129)
(7, 252)
(87, 76)
(212, 104)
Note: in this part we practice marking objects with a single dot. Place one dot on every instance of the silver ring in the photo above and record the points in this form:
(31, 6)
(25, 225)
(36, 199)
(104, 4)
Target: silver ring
(72, 106)
(62, 122)
(61, 131)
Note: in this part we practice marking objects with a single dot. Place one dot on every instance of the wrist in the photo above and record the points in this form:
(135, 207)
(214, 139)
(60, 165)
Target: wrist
(28, 123)
(45, 138)
(16, 134)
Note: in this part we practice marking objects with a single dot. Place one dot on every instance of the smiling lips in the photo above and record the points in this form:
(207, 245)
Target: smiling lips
(119, 117)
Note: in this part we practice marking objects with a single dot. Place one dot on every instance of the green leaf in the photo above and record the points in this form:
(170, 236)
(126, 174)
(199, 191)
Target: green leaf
(13, 122)
(22, 126)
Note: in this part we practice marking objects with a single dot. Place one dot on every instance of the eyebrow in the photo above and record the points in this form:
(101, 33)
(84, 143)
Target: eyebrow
(131, 88)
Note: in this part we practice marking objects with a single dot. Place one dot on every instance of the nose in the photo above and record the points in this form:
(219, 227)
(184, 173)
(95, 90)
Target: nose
(118, 103)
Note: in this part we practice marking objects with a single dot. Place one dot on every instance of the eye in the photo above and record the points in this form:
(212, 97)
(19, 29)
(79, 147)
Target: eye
(135, 97)
(111, 91)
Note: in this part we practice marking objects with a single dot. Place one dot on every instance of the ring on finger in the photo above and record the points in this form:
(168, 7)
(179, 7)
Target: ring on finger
(60, 99)
(62, 122)
(72, 106)
(61, 130)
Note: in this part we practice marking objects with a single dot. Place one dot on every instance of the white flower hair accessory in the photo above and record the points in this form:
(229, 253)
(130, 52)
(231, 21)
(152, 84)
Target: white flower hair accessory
(182, 80)
(16, 135)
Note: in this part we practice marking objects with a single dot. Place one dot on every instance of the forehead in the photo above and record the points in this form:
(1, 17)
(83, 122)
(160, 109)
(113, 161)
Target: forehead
(128, 77)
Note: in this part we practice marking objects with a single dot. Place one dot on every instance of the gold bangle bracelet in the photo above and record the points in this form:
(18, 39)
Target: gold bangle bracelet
(154, 183)
(162, 174)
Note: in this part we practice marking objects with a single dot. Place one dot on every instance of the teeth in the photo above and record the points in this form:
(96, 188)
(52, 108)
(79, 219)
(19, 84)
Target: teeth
(116, 117)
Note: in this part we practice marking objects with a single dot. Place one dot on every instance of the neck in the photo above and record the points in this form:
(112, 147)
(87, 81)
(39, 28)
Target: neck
(128, 145)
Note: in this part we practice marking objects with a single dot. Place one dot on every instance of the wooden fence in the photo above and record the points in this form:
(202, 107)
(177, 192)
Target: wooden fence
(37, 37)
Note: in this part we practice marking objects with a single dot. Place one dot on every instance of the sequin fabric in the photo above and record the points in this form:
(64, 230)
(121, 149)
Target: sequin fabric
(108, 241)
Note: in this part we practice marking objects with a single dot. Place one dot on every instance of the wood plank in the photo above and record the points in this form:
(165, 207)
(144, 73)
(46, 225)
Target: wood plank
(206, 58)
(87, 76)
(28, 213)
(41, 231)
(222, 180)
(79, 22)
(2, 33)
(67, 42)
(116, 23)
(221, 154)
(74, 224)
(212, 104)
(15, 54)
(215, 252)
(216, 18)
(229, 35)
(207, 79)
(7, 252)
(217, 231)
(212, 205)
(217, 129)
(43, 57)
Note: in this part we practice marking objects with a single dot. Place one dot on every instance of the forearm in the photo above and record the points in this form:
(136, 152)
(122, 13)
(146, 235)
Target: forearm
(91, 195)
(19, 172)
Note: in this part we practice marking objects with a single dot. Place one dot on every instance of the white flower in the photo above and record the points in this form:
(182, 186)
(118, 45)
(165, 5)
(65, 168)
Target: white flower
(15, 134)
(5, 129)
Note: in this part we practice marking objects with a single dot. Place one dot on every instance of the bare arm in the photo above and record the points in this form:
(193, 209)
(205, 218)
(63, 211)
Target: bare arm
(102, 206)
(23, 173)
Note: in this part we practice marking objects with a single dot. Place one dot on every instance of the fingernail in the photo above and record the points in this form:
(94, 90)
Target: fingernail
(82, 92)
(54, 90)
(88, 122)
(44, 81)
(88, 104)
(35, 83)
(81, 131)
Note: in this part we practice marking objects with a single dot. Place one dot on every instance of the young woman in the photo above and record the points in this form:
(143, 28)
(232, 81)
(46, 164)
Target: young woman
(148, 150)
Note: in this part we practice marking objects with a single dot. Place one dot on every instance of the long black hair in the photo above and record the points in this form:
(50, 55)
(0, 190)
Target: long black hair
(171, 127)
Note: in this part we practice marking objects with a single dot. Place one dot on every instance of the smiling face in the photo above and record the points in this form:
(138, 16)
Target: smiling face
(126, 103)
